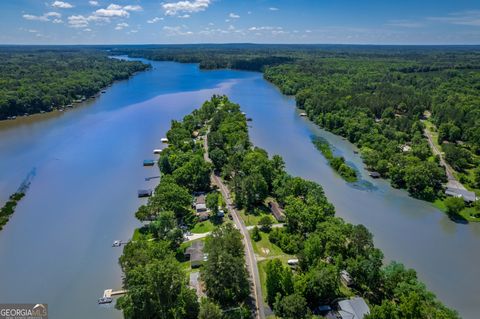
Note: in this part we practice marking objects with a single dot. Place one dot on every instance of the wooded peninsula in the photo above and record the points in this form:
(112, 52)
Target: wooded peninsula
(327, 248)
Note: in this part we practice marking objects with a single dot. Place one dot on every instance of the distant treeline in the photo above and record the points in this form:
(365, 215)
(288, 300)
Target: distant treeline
(373, 95)
(41, 79)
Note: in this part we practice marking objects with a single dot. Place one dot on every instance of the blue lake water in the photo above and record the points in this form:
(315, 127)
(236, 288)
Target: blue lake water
(87, 166)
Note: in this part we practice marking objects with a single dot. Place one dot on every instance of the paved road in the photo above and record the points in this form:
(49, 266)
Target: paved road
(249, 253)
(452, 180)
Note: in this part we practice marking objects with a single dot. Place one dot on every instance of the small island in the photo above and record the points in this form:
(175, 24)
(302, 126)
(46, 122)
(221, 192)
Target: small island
(336, 162)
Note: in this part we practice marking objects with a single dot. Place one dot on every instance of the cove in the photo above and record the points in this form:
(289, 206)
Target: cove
(56, 248)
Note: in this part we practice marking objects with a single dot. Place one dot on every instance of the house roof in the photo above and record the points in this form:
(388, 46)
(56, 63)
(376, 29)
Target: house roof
(200, 207)
(277, 211)
(195, 251)
(200, 199)
(355, 308)
(465, 194)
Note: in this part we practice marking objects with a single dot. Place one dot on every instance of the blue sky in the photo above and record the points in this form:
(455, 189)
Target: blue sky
(259, 21)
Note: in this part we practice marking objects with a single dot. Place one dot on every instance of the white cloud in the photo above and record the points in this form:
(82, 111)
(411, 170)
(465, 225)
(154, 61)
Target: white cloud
(133, 8)
(469, 18)
(234, 16)
(405, 24)
(185, 16)
(115, 10)
(121, 26)
(94, 3)
(57, 21)
(112, 10)
(77, 21)
(98, 20)
(174, 8)
(265, 28)
(155, 20)
(273, 9)
(45, 17)
(178, 30)
(62, 5)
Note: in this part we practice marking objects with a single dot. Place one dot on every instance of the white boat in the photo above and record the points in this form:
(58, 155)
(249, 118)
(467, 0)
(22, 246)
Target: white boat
(157, 151)
(164, 140)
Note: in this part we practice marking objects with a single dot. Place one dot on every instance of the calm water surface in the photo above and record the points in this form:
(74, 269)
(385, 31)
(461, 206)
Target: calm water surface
(88, 167)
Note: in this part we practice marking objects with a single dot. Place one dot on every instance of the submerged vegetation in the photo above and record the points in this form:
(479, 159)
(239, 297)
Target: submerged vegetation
(336, 162)
(42, 79)
(325, 245)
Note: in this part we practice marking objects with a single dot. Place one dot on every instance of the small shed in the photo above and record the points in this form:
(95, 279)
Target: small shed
(195, 254)
(277, 212)
(354, 308)
(345, 278)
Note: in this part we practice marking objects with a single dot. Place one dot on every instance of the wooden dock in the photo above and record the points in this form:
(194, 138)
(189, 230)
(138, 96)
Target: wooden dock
(108, 293)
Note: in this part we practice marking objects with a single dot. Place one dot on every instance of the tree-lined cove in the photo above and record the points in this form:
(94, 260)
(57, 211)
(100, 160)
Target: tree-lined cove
(277, 128)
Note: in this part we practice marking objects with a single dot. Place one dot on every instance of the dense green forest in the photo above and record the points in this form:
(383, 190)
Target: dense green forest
(41, 79)
(376, 96)
(155, 274)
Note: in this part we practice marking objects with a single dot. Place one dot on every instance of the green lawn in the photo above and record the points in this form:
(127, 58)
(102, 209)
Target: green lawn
(203, 227)
(253, 219)
(467, 213)
(264, 248)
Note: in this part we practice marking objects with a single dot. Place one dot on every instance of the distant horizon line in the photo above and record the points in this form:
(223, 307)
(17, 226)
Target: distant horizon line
(245, 43)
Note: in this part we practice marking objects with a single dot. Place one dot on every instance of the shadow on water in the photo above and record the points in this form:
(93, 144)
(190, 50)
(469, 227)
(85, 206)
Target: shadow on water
(27, 181)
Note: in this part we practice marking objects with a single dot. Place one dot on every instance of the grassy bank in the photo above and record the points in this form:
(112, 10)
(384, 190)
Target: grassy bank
(336, 162)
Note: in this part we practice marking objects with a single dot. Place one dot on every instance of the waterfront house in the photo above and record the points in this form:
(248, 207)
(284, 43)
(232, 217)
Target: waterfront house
(468, 196)
(354, 308)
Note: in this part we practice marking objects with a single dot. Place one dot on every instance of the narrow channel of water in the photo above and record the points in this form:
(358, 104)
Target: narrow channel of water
(88, 167)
